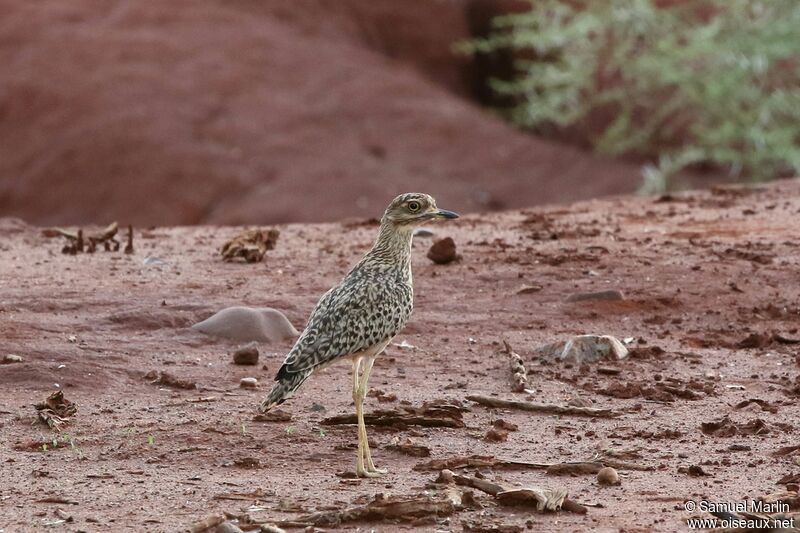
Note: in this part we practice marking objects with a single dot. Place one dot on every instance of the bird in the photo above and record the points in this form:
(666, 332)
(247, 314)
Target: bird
(360, 316)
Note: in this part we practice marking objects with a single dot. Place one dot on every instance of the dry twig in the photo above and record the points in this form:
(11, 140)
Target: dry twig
(569, 410)
(400, 508)
(431, 414)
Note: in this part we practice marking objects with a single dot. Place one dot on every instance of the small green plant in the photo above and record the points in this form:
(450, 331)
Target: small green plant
(322, 433)
(695, 81)
(290, 430)
(151, 440)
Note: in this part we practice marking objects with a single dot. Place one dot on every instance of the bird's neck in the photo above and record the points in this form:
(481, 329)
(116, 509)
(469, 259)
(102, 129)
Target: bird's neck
(392, 249)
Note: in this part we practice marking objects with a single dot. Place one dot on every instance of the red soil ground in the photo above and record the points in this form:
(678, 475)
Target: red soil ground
(701, 273)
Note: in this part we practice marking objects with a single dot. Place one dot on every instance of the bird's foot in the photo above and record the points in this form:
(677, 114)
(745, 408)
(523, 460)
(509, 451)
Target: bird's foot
(374, 469)
(363, 472)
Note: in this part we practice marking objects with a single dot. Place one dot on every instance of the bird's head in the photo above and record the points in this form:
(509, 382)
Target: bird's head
(414, 209)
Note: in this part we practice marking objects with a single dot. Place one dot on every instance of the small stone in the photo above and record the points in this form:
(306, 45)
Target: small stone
(608, 476)
(248, 383)
(443, 251)
(445, 476)
(11, 358)
(423, 232)
(502, 424)
(496, 435)
(609, 295)
(247, 355)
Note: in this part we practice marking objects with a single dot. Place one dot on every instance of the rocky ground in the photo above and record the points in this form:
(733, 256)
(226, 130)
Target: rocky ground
(706, 401)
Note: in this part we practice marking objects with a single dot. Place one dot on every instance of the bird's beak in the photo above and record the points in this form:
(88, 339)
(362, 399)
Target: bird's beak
(444, 213)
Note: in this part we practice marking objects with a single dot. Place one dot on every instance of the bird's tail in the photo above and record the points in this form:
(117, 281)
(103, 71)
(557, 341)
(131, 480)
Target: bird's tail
(286, 382)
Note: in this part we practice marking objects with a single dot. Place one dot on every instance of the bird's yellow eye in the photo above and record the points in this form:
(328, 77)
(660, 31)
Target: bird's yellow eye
(413, 206)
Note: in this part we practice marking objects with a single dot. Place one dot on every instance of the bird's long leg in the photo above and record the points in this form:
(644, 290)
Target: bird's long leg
(363, 391)
(358, 400)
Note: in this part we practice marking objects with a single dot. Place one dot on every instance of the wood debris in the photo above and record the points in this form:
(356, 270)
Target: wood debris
(250, 245)
(409, 447)
(77, 242)
(541, 499)
(430, 414)
(129, 245)
(57, 499)
(725, 427)
(253, 495)
(56, 410)
(394, 508)
(453, 463)
(274, 415)
(471, 526)
(591, 466)
(207, 523)
(567, 410)
(519, 376)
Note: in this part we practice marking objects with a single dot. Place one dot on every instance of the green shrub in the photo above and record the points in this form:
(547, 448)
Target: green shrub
(712, 81)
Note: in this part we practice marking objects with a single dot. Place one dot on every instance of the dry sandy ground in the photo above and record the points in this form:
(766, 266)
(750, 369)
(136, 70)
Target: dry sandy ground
(700, 272)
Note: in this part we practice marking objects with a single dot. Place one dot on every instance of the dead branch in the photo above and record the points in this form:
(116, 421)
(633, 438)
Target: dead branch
(400, 508)
(129, 246)
(453, 463)
(542, 499)
(567, 410)
(207, 523)
(75, 240)
(57, 499)
(430, 414)
(591, 466)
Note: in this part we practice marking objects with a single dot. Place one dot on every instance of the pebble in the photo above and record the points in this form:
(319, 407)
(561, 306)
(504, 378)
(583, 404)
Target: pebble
(246, 355)
(423, 232)
(445, 476)
(496, 435)
(443, 251)
(609, 295)
(608, 476)
(246, 324)
(11, 358)
(248, 383)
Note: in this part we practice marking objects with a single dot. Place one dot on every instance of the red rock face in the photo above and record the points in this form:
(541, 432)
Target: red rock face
(165, 113)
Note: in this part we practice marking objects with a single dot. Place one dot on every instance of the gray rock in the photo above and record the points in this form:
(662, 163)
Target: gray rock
(610, 294)
(246, 355)
(246, 324)
(585, 349)
(248, 383)
(11, 358)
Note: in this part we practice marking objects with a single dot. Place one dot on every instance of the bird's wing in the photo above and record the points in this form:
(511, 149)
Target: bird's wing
(348, 319)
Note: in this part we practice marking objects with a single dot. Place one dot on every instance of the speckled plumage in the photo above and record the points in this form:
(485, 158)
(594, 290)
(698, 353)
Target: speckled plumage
(358, 317)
